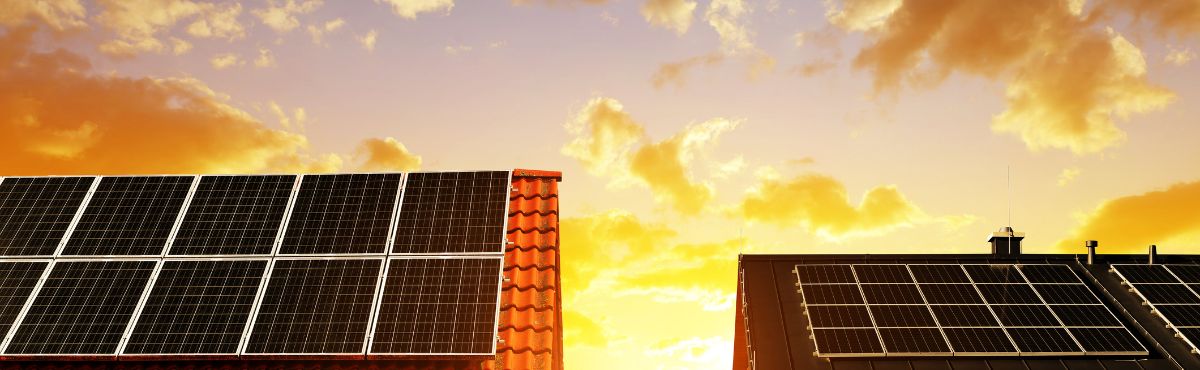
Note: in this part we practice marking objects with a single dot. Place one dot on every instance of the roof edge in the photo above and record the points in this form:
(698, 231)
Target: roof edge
(521, 172)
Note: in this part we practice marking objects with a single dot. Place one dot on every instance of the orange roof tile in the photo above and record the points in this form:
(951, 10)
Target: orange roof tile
(530, 318)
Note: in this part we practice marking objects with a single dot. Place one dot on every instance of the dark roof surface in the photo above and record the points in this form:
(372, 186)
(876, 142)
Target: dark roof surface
(771, 329)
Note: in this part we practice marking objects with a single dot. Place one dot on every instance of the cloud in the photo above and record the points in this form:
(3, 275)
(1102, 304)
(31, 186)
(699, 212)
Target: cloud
(1179, 57)
(386, 154)
(821, 204)
(331, 26)
(281, 17)
(57, 117)
(1129, 224)
(581, 330)
(676, 73)
(292, 122)
(457, 49)
(368, 41)
(180, 46)
(226, 60)
(1167, 17)
(675, 15)
(1067, 176)
(60, 15)
(609, 18)
(608, 142)
(265, 58)
(697, 352)
(411, 8)
(606, 241)
(220, 22)
(1067, 79)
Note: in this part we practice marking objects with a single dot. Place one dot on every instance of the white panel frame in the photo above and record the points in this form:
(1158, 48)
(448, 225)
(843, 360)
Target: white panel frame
(37, 287)
(402, 185)
(87, 200)
(262, 286)
(70, 224)
(170, 235)
(1154, 307)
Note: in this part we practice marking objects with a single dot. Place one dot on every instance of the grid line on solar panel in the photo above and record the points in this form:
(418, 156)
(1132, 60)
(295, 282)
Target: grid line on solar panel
(315, 306)
(891, 274)
(1145, 274)
(1180, 315)
(895, 316)
(35, 212)
(981, 341)
(232, 215)
(1167, 293)
(923, 341)
(964, 316)
(18, 280)
(197, 307)
(1085, 315)
(1187, 273)
(1066, 294)
(831, 294)
(129, 216)
(438, 306)
(939, 274)
(1046, 341)
(1049, 274)
(950, 293)
(824, 274)
(1114, 340)
(839, 316)
(1008, 294)
(892, 294)
(996, 274)
(847, 342)
(83, 307)
(342, 214)
(453, 212)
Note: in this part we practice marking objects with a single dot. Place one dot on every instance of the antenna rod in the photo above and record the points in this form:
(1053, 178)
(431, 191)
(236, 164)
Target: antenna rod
(1009, 195)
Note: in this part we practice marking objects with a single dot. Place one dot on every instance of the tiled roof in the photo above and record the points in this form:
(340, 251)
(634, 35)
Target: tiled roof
(530, 318)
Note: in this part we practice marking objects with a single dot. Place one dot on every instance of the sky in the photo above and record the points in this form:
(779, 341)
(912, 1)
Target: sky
(687, 131)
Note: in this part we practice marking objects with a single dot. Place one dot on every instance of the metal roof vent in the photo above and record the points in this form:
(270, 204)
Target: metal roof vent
(1006, 242)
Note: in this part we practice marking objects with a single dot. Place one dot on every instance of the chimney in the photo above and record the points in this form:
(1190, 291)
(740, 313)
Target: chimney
(1153, 254)
(1006, 242)
(1091, 246)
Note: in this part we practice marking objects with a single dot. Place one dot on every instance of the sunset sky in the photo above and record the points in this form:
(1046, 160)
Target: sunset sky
(688, 131)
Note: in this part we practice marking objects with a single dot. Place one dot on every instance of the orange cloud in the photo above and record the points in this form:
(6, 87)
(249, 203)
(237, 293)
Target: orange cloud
(386, 154)
(605, 138)
(281, 16)
(56, 117)
(820, 203)
(1066, 77)
(139, 25)
(60, 15)
(411, 8)
(1130, 224)
(676, 73)
(1177, 17)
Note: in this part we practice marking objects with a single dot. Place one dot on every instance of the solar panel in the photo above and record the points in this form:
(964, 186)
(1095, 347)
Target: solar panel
(438, 306)
(1163, 288)
(36, 211)
(315, 306)
(17, 280)
(231, 215)
(339, 214)
(958, 310)
(453, 212)
(82, 308)
(197, 307)
(129, 216)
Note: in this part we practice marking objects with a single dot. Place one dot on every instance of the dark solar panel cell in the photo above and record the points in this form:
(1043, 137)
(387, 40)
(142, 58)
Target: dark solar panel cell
(234, 215)
(1180, 315)
(913, 340)
(1049, 274)
(1191, 334)
(892, 294)
(1188, 273)
(350, 213)
(951, 294)
(453, 212)
(979, 340)
(1107, 340)
(1066, 294)
(1025, 315)
(960, 315)
(1043, 340)
(847, 341)
(882, 274)
(129, 216)
(35, 212)
(17, 280)
(825, 274)
(1000, 274)
(832, 294)
(939, 274)
(1008, 293)
(839, 317)
(1145, 274)
(438, 305)
(1089, 315)
(902, 316)
(83, 308)
(1167, 293)
(197, 307)
(315, 306)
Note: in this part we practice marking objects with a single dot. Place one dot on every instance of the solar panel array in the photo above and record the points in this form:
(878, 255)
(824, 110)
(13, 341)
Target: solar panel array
(957, 310)
(1171, 291)
(236, 265)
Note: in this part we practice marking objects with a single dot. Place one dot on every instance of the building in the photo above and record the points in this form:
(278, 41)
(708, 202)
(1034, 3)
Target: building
(421, 270)
(1000, 310)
